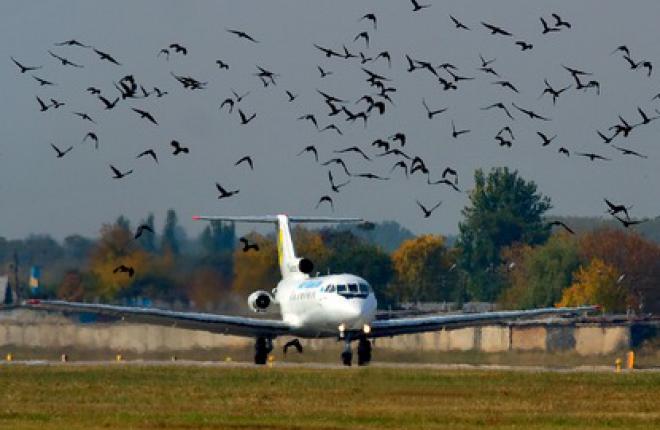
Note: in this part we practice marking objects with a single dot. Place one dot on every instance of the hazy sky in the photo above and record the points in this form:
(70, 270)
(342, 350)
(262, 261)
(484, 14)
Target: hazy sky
(76, 194)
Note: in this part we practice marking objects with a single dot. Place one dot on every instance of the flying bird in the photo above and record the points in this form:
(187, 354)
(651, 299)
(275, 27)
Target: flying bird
(72, 42)
(417, 6)
(145, 114)
(124, 269)
(561, 224)
(592, 156)
(24, 68)
(546, 28)
(247, 159)
(247, 245)
(141, 229)
(312, 149)
(459, 25)
(494, 30)
(178, 148)
(431, 113)
(333, 186)
(223, 192)
(149, 152)
(428, 212)
(242, 35)
(559, 22)
(105, 56)
(179, 49)
(371, 17)
(92, 136)
(456, 133)
(531, 114)
(43, 107)
(245, 119)
(64, 61)
(59, 152)
(118, 174)
(42, 82)
(327, 199)
(546, 139)
(84, 116)
(222, 65)
(108, 104)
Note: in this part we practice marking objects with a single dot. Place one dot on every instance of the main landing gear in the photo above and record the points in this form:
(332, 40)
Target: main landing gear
(262, 348)
(363, 351)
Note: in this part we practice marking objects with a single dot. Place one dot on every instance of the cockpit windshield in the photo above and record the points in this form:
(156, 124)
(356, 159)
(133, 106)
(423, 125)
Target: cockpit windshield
(352, 290)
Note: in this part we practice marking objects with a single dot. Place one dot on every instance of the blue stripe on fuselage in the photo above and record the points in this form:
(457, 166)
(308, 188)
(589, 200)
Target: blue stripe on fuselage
(310, 284)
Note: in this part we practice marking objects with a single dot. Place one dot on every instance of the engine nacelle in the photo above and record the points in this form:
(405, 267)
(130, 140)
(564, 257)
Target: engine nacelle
(260, 301)
(305, 266)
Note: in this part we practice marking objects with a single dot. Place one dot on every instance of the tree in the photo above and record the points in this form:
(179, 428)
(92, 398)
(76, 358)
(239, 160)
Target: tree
(504, 209)
(635, 259)
(256, 270)
(170, 242)
(596, 284)
(422, 267)
(539, 274)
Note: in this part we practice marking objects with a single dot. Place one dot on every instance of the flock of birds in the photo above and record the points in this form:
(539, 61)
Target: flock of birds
(377, 99)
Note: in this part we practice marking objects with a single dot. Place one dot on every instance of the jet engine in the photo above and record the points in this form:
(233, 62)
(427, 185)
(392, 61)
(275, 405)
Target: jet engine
(260, 301)
(305, 266)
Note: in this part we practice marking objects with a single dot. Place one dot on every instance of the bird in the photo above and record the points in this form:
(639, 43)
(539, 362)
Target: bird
(606, 140)
(428, 212)
(327, 199)
(118, 174)
(524, 46)
(247, 245)
(179, 49)
(371, 17)
(592, 156)
(417, 6)
(328, 52)
(494, 30)
(459, 25)
(42, 106)
(561, 224)
(312, 149)
(332, 127)
(333, 186)
(223, 192)
(247, 159)
(239, 97)
(92, 136)
(64, 61)
(456, 133)
(614, 209)
(56, 104)
(24, 68)
(531, 114)
(141, 229)
(59, 152)
(244, 119)
(243, 35)
(323, 72)
(165, 52)
(222, 65)
(559, 22)
(564, 151)
(353, 149)
(295, 343)
(444, 181)
(554, 93)
(339, 162)
(84, 116)
(124, 269)
(401, 164)
(450, 172)
(629, 222)
(385, 55)
(626, 151)
(72, 42)
(105, 56)
(400, 137)
(363, 35)
(93, 90)
(42, 82)
(145, 114)
(108, 104)
(506, 84)
(429, 113)
(381, 144)
(178, 148)
(395, 151)
(159, 93)
(546, 28)
(149, 152)
(498, 105)
(291, 96)
(310, 117)
(546, 140)
(228, 101)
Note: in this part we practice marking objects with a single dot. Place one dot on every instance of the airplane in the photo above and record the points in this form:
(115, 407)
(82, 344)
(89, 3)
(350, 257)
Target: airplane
(341, 306)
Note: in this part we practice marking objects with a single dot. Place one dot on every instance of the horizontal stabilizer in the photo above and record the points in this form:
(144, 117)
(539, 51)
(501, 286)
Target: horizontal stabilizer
(274, 219)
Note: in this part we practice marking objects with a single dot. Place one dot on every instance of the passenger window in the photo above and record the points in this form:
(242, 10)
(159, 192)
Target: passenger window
(341, 288)
(331, 289)
(353, 288)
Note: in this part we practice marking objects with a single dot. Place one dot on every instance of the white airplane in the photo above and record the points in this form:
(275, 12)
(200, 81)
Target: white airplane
(342, 306)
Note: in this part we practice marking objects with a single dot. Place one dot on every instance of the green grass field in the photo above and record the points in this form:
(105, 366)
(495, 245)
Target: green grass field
(214, 397)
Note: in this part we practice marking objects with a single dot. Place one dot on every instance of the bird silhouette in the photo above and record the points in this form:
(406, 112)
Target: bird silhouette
(311, 118)
(43, 82)
(371, 17)
(531, 114)
(118, 174)
(179, 49)
(93, 90)
(223, 192)
(400, 137)
(323, 72)
(141, 229)
(559, 22)
(247, 245)
(245, 119)
(431, 113)
(108, 104)
(385, 55)
(72, 42)
(42, 106)
(353, 149)
(178, 148)
(165, 52)
(247, 159)
(626, 151)
(546, 140)
(327, 199)
(554, 93)
(291, 96)
(105, 56)
(332, 127)
(506, 84)
(59, 152)
(459, 25)
(336, 187)
(56, 104)
(23, 68)
(428, 212)
(629, 222)
(546, 28)
(222, 65)
(84, 116)
(64, 61)
(312, 149)
(401, 164)
(229, 102)
(524, 46)
(339, 162)
(146, 115)
(564, 151)
(92, 136)
(614, 208)
(293, 343)
(592, 156)
(499, 105)
(363, 35)
(495, 30)
(456, 133)
(149, 152)
(124, 269)
(417, 7)
(243, 35)
(561, 224)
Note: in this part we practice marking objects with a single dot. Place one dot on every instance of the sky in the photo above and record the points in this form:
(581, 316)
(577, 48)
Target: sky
(76, 194)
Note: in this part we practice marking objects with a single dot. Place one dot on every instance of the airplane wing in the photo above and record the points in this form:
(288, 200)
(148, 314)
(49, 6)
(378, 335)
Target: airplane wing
(223, 324)
(393, 327)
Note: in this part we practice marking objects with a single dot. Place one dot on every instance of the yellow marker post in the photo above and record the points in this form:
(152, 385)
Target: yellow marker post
(227, 359)
(9, 357)
(119, 358)
(617, 365)
(271, 359)
(64, 358)
(630, 360)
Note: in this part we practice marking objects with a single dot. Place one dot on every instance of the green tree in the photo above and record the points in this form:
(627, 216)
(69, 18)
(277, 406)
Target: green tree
(539, 274)
(504, 209)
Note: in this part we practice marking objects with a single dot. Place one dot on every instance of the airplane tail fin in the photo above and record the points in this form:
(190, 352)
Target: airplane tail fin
(290, 265)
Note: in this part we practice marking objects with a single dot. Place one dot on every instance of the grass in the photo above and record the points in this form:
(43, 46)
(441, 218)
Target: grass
(215, 397)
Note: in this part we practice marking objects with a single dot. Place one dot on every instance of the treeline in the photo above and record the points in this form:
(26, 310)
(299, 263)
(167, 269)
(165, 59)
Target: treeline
(508, 251)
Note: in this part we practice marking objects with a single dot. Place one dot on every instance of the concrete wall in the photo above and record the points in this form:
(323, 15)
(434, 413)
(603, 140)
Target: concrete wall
(24, 328)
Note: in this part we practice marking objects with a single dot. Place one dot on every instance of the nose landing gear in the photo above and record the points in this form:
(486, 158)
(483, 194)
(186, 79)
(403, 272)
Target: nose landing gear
(262, 348)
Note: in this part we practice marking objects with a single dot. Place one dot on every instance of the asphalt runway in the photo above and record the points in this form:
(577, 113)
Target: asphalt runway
(322, 366)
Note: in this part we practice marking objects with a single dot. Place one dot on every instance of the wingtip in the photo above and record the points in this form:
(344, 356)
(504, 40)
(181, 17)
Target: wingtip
(196, 217)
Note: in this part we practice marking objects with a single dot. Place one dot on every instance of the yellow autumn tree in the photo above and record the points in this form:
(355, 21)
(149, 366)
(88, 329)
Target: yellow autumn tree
(596, 284)
(116, 247)
(422, 267)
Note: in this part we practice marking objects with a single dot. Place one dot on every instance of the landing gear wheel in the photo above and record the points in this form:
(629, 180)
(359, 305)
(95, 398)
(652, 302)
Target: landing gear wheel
(364, 351)
(347, 358)
(262, 348)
